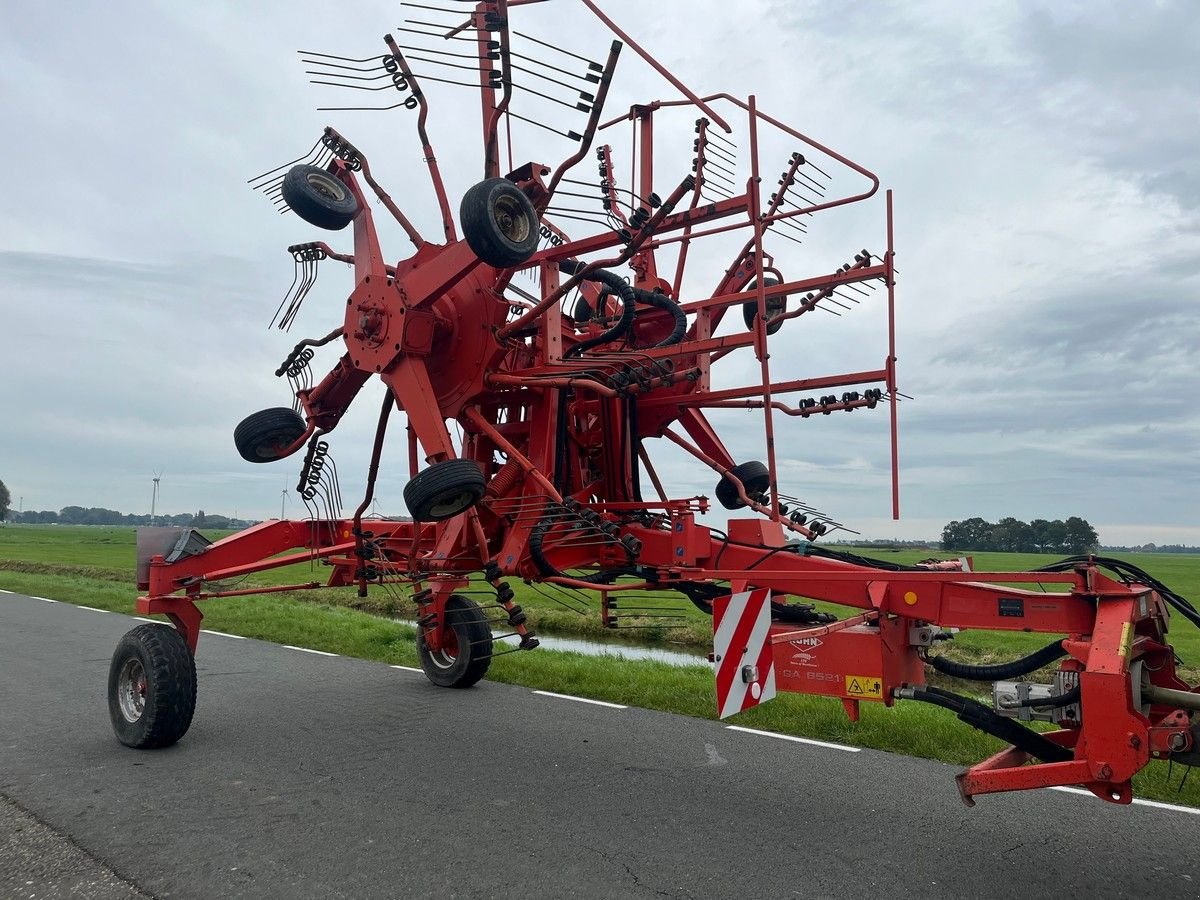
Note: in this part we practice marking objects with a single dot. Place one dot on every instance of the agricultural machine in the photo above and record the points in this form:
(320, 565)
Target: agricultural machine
(548, 340)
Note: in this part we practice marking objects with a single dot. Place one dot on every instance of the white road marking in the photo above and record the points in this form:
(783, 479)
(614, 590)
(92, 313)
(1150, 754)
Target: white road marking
(409, 669)
(2, 591)
(44, 599)
(581, 700)
(309, 650)
(151, 621)
(798, 740)
(1190, 810)
(81, 606)
(236, 637)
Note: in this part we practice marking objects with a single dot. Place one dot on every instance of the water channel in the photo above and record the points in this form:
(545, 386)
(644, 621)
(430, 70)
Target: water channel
(680, 655)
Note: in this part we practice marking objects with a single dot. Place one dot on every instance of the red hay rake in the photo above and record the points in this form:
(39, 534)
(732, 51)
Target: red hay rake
(564, 323)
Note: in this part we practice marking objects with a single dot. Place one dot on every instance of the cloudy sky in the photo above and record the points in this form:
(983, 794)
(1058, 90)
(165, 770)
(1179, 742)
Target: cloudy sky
(1047, 186)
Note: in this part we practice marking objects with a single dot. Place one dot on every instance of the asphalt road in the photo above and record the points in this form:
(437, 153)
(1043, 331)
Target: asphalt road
(315, 776)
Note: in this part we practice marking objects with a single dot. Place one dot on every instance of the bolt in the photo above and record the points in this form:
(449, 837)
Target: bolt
(1177, 741)
(1105, 772)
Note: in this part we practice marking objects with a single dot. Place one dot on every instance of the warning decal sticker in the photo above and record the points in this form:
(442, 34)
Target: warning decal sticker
(865, 687)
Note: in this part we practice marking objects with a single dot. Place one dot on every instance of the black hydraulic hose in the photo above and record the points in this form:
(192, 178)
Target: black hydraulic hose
(1129, 572)
(979, 716)
(870, 562)
(562, 447)
(1000, 671)
(618, 286)
(537, 535)
(662, 301)
(634, 443)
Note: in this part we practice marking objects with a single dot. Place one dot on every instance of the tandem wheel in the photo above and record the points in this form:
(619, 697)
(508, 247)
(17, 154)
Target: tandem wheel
(755, 478)
(319, 197)
(466, 650)
(151, 687)
(262, 437)
(499, 223)
(444, 490)
(776, 307)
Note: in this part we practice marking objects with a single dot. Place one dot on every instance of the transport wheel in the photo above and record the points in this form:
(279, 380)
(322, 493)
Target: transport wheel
(776, 307)
(444, 490)
(263, 436)
(319, 197)
(753, 475)
(499, 223)
(151, 687)
(466, 648)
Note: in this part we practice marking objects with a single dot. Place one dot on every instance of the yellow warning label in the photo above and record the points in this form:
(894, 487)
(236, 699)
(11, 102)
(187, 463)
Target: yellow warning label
(1126, 634)
(868, 687)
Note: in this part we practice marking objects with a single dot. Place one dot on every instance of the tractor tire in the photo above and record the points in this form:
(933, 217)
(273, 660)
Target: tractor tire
(444, 490)
(753, 475)
(319, 197)
(776, 307)
(151, 687)
(468, 651)
(499, 223)
(263, 436)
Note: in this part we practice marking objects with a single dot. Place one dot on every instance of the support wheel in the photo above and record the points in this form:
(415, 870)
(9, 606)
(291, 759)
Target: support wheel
(151, 687)
(444, 490)
(466, 649)
(776, 307)
(755, 478)
(319, 197)
(499, 223)
(263, 436)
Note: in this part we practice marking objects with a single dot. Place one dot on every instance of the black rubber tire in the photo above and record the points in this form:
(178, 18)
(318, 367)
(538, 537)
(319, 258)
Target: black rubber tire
(263, 436)
(755, 478)
(776, 306)
(444, 490)
(319, 197)
(469, 662)
(151, 687)
(499, 223)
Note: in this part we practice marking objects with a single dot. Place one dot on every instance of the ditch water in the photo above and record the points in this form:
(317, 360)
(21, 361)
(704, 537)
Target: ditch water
(678, 656)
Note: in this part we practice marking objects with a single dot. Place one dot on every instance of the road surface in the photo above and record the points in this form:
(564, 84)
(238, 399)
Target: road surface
(307, 775)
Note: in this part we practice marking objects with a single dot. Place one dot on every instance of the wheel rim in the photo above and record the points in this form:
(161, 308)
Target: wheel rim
(447, 656)
(510, 218)
(326, 185)
(131, 690)
(451, 504)
(273, 445)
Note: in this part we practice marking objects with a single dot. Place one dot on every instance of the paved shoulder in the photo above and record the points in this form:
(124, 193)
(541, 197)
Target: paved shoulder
(39, 863)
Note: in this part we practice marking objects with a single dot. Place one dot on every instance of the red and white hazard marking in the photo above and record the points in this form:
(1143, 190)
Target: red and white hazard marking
(745, 662)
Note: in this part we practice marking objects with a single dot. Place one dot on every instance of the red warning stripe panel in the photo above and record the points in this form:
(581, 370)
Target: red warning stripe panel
(745, 674)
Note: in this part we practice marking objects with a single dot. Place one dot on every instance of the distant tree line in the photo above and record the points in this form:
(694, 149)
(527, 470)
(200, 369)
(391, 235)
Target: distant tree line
(1009, 535)
(1157, 548)
(95, 515)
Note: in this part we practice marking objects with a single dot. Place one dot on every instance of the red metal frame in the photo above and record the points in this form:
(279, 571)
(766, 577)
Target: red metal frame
(551, 429)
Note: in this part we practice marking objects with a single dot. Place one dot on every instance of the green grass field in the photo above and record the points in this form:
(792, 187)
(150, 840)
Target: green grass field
(95, 566)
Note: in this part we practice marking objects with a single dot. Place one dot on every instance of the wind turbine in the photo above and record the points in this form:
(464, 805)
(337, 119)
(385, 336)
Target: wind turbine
(154, 496)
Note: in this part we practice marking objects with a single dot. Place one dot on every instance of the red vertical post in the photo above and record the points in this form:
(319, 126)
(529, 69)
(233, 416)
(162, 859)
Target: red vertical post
(760, 323)
(643, 263)
(487, 95)
(889, 266)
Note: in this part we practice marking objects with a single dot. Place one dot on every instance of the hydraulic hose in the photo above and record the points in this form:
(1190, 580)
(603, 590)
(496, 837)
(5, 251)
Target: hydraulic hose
(618, 286)
(979, 716)
(1000, 671)
(663, 302)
